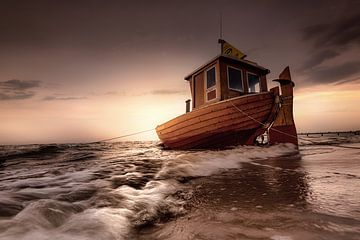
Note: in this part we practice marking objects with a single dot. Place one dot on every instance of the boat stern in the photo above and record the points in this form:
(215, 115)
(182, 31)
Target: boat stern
(283, 129)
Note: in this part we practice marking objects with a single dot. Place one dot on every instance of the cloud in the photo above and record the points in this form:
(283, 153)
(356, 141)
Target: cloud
(56, 98)
(113, 93)
(108, 93)
(334, 34)
(328, 44)
(16, 95)
(15, 84)
(337, 73)
(318, 58)
(166, 92)
(15, 89)
(69, 97)
(161, 92)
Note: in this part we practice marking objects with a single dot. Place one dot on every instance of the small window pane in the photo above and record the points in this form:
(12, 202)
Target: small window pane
(210, 78)
(235, 80)
(254, 83)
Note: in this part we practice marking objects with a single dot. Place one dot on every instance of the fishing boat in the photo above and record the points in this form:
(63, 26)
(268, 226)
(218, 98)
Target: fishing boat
(231, 105)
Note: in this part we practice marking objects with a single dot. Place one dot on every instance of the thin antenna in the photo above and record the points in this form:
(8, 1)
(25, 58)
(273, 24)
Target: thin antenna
(221, 41)
(221, 34)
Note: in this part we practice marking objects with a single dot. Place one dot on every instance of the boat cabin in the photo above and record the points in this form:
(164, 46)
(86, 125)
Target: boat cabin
(225, 77)
(232, 106)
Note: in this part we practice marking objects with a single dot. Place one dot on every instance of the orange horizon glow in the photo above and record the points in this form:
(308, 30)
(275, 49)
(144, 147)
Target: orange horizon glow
(327, 108)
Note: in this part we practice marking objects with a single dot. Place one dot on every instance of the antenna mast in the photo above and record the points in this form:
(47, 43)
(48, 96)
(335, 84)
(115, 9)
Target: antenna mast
(221, 41)
(220, 22)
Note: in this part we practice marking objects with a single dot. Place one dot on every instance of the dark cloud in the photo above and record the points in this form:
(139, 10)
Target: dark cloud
(57, 98)
(336, 73)
(334, 34)
(319, 57)
(166, 92)
(15, 84)
(16, 95)
(328, 41)
(92, 24)
(15, 89)
(353, 80)
(161, 92)
(70, 41)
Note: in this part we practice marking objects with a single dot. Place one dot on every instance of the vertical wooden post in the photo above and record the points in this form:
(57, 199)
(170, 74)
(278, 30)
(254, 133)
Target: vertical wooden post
(283, 130)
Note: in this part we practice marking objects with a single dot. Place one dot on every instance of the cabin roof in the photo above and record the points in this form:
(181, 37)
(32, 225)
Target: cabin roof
(245, 62)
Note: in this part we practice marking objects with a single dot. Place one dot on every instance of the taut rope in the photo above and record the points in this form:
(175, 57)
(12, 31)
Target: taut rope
(279, 131)
(127, 135)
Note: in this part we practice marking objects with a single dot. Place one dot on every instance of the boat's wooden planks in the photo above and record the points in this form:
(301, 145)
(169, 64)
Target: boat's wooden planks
(234, 124)
(212, 141)
(245, 135)
(223, 139)
(215, 116)
(229, 126)
(204, 138)
(234, 117)
(242, 100)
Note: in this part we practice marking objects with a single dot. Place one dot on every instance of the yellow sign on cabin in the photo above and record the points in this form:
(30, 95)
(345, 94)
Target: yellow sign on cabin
(228, 49)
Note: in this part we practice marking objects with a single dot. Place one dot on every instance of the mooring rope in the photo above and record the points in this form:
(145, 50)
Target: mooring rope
(127, 135)
(241, 111)
(287, 134)
(261, 123)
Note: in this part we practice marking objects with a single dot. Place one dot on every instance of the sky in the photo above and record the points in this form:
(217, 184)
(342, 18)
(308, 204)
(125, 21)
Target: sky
(84, 70)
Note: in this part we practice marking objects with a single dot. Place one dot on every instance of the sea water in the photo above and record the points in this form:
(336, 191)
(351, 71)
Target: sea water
(138, 190)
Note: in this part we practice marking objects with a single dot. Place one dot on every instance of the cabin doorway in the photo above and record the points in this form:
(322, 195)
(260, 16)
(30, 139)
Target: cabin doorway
(210, 83)
(198, 90)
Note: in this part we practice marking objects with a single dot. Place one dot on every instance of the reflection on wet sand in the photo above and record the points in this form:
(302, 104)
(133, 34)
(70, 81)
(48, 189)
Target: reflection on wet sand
(265, 199)
(269, 184)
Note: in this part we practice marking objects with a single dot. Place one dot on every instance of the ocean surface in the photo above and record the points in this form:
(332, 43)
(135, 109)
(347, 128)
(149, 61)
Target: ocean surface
(137, 190)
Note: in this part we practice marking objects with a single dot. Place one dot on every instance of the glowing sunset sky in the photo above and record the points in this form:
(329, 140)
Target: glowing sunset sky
(83, 70)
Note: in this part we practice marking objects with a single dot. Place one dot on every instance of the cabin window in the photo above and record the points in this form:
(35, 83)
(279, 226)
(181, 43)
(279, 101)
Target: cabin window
(235, 79)
(210, 77)
(210, 83)
(254, 82)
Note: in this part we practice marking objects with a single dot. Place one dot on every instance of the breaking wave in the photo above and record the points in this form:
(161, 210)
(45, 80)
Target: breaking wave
(205, 163)
(82, 192)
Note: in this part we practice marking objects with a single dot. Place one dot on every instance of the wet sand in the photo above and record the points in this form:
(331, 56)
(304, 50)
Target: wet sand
(269, 199)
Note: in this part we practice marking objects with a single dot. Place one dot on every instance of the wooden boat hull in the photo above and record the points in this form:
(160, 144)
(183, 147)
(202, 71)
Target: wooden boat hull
(230, 122)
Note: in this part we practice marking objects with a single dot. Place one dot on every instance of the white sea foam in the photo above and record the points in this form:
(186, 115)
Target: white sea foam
(76, 205)
(151, 201)
(50, 219)
(103, 223)
(206, 163)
